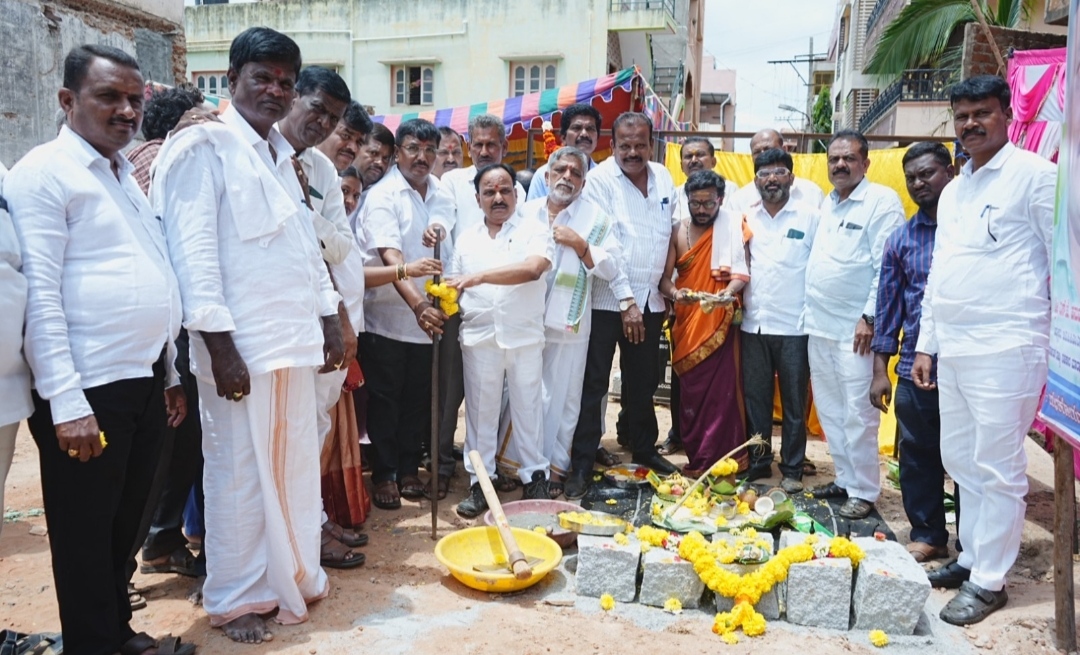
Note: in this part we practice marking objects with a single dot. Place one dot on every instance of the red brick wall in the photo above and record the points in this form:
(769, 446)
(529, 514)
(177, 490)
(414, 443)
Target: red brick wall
(978, 57)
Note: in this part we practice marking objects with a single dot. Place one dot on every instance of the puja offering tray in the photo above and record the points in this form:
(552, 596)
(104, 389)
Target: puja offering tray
(627, 476)
(594, 523)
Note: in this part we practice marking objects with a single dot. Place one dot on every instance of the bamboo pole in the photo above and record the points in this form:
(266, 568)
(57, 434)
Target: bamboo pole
(1064, 544)
(1002, 68)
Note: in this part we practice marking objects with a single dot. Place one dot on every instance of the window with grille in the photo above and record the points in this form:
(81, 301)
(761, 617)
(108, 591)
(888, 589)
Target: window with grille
(413, 85)
(532, 77)
(214, 83)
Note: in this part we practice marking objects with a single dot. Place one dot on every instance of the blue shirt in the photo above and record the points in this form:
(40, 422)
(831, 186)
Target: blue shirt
(905, 266)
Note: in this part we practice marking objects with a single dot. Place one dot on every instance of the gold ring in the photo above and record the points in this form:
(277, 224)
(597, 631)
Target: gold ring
(73, 453)
(338, 365)
(238, 395)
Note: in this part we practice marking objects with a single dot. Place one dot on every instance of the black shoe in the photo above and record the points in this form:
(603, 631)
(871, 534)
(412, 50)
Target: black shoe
(950, 576)
(670, 446)
(791, 485)
(759, 472)
(537, 489)
(973, 604)
(830, 490)
(474, 504)
(654, 461)
(576, 485)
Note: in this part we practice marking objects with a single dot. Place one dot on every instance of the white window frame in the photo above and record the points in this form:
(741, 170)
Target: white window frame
(533, 76)
(211, 83)
(402, 78)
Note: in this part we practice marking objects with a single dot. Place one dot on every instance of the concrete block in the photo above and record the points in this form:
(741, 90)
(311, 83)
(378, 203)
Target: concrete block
(669, 576)
(819, 593)
(768, 606)
(730, 539)
(794, 537)
(891, 588)
(605, 567)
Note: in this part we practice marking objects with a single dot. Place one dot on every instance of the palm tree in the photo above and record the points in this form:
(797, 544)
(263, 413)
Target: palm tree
(920, 36)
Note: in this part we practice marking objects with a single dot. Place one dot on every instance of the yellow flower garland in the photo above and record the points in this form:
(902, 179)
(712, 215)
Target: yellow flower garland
(448, 296)
(724, 468)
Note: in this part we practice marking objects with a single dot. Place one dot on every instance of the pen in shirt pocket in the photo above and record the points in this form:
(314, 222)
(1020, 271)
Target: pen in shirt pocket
(987, 212)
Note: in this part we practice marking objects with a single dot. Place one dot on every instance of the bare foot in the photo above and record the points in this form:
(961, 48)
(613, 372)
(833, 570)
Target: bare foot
(248, 629)
(195, 593)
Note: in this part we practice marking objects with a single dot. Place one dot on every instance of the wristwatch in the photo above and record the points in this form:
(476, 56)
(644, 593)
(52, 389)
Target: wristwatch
(869, 319)
(625, 305)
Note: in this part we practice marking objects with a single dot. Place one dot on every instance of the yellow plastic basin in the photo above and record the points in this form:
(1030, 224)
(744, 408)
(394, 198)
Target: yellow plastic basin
(461, 550)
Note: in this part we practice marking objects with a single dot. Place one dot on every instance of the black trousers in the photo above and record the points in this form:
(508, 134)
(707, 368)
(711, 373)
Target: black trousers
(398, 376)
(765, 356)
(451, 392)
(640, 367)
(922, 475)
(182, 467)
(93, 510)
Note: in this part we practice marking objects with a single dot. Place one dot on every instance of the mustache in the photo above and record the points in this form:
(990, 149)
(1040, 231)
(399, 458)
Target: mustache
(841, 169)
(121, 121)
(583, 139)
(499, 205)
(973, 130)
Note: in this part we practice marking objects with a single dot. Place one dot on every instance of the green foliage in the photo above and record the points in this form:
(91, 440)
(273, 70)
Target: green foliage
(821, 117)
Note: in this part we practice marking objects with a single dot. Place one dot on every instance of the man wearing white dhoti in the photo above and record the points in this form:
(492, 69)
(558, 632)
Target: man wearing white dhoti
(585, 246)
(498, 268)
(262, 314)
(986, 315)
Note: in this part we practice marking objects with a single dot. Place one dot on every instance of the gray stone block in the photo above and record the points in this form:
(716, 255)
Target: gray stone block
(768, 606)
(605, 567)
(730, 539)
(890, 588)
(794, 537)
(819, 593)
(669, 576)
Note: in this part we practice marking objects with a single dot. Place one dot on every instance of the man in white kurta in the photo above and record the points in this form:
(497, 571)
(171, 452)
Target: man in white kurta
(986, 315)
(259, 306)
(585, 247)
(498, 268)
(841, 297)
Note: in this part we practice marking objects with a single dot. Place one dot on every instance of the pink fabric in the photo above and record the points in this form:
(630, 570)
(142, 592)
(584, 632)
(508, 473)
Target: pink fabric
(1026, 131)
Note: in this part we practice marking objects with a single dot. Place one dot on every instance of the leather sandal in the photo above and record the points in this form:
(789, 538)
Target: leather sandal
(411, 487)
(973, 604)
(950, 576)
(351, 538)
(385, 495)
(442, 486)
(335, 555)
(924, 552)
(856, 508)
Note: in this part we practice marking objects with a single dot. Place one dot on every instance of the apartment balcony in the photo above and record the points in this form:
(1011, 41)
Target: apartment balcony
(920, 92)
(642, 16)
(884, 12)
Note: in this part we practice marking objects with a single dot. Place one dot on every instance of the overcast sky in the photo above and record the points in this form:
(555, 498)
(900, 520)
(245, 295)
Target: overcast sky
(746, 34)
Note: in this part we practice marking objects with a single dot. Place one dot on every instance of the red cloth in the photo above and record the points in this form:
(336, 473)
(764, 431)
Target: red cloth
(141, 157)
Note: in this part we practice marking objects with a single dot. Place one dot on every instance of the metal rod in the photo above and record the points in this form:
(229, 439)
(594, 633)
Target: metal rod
(434, 449)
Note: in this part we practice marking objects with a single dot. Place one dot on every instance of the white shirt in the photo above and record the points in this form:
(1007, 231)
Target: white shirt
(503, 315)
(395, 216)
(539, 188)
(779, 250)
(269, 291)
(335, 236)
(842, 273)
(15, 404)
(103, 300)
(802, 191)
(986, 294)
(458, 189)
(605, 256)
(643, 229)
(682, 208)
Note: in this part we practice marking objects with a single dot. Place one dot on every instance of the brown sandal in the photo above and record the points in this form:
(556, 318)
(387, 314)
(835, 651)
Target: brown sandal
(605, 458)
(442, 486)
(924, 552)
(335, 555)
(411, 487)
(385, 495)
(351, 538)
(505, 483)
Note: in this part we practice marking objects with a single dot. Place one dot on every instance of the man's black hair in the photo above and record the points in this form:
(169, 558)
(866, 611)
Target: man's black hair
(852, 135)
(446, 131)
(701, 139)
(982, 87)
(350, 171)
(319, 78)
(382, 135)
(164, 108)
(575, 110)
(261, 44)
(78, 61)
(773, 156)
(357, 118)
(423, 130)
(939, 151)
(630, 118)
(487, 169)
(703, 181)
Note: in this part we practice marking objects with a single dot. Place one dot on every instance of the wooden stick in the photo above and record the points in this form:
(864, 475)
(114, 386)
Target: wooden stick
(1002, 68)
(754, 441)
(518, 563)
(433, 451)
(1064, 542)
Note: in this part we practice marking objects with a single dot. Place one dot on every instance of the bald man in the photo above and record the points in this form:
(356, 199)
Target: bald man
(802, 190)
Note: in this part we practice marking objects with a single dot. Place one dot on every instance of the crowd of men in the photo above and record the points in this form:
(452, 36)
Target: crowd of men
(195, 309)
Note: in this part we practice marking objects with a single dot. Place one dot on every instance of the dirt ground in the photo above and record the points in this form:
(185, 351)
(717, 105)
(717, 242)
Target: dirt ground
(404, 601)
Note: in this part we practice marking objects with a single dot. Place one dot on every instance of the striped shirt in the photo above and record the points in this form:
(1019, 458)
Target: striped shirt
(642, 226)
(905, 266)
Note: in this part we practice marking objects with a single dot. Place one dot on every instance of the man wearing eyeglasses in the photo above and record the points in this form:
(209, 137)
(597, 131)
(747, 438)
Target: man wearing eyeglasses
(841, 297)
(986, 315)
(802, 190)
(773, 345)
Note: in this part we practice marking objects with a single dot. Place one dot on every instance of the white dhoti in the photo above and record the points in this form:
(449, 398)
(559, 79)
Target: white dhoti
(327, 393)
(263, 500)
(841, 381)
(987, 404)
(486, 368)
(564, 374)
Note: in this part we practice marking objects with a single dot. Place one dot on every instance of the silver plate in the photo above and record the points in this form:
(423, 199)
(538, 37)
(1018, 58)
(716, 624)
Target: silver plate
(594, 530)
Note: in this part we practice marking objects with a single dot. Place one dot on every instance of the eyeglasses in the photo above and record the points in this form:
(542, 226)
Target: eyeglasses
(702, 204)
(413, 150)
(766, 173)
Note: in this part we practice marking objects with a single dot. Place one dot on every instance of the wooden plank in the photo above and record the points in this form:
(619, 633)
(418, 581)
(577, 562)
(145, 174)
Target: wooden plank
(1064, 541)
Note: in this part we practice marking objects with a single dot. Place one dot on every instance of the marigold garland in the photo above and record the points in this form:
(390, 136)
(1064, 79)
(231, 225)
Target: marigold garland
(448, 296)
(725, 468)
(551, 144)
(647, 534)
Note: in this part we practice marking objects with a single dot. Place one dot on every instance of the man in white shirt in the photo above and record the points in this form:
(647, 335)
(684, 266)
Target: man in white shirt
(261, 314)
(841, 298)
(628, 311)
(449, 156)
(322, 99)
(498, 269)
(343, 145)
(772, 344)
(580, 128)
(487, 146)
(15, 403)
(585, 247)
(399, 320)
(986, 315)
(802, 190)
(99, 355)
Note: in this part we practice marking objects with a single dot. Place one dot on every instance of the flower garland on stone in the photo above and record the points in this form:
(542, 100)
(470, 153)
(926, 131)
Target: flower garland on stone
(448, 296)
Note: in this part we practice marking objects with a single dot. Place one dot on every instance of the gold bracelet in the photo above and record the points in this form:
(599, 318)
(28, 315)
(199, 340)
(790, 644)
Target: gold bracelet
(406, 271)
(400, 272)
